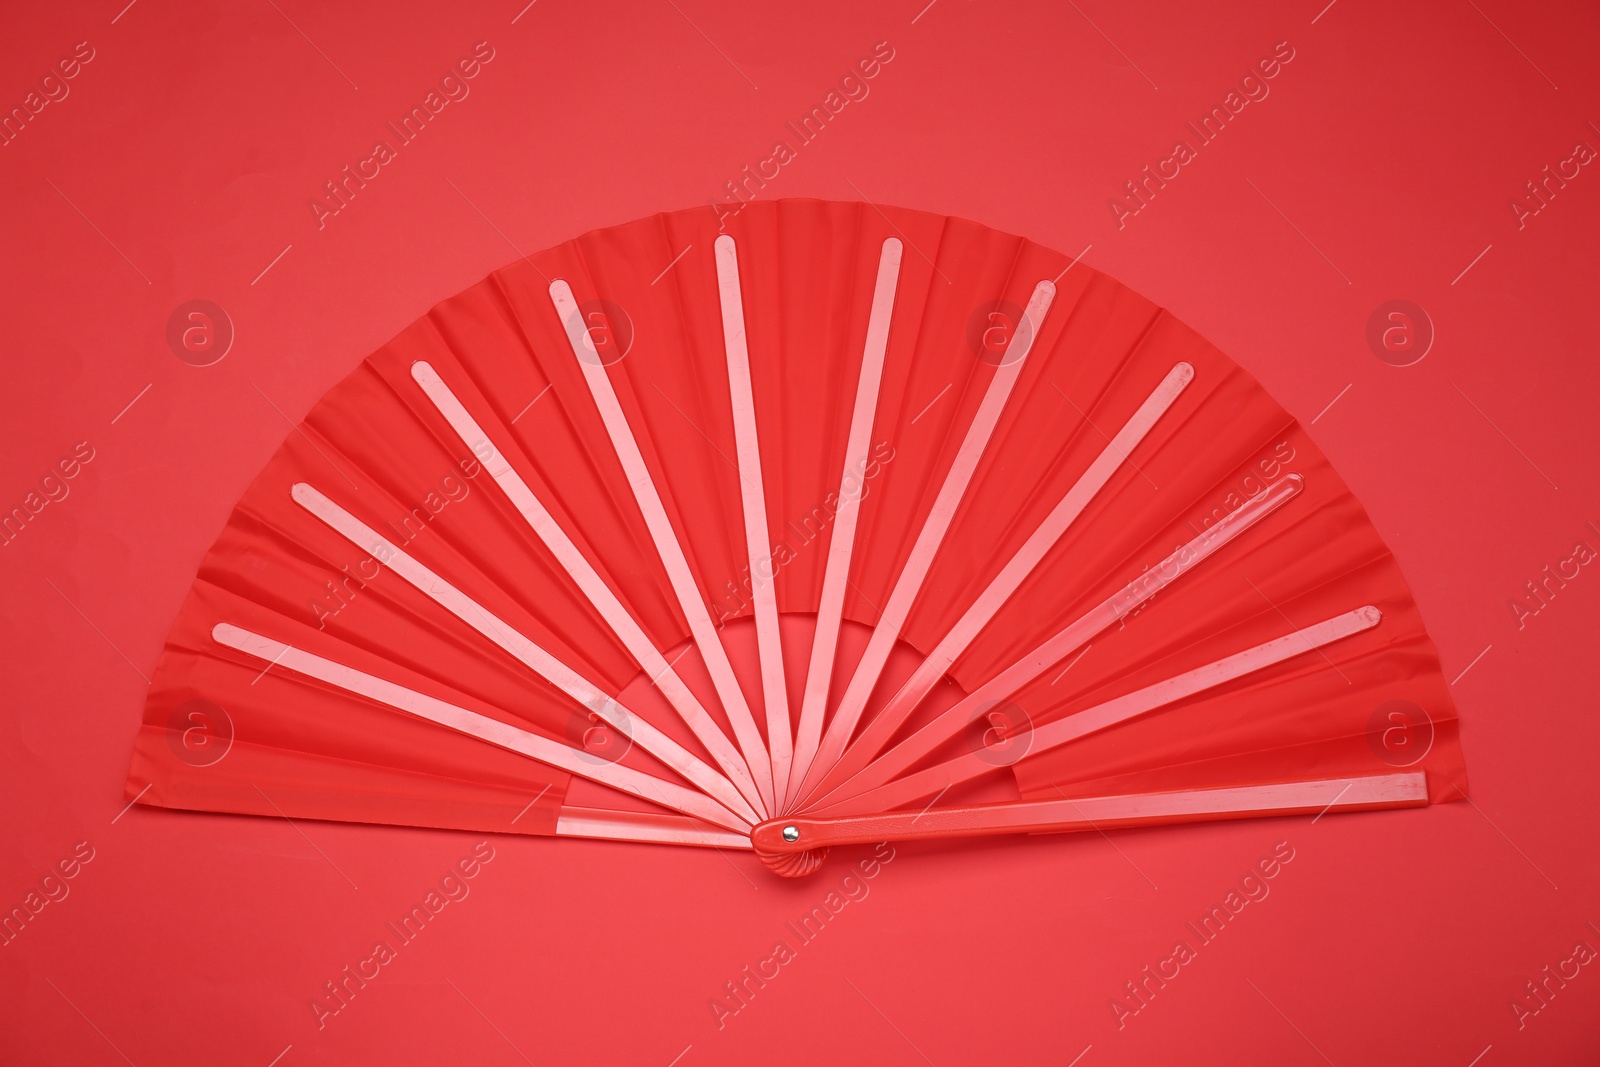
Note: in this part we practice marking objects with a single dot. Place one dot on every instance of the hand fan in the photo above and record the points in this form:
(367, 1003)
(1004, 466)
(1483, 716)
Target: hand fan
(847, 524)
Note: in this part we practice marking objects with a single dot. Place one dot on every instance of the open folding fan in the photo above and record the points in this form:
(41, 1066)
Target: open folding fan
(844, 525)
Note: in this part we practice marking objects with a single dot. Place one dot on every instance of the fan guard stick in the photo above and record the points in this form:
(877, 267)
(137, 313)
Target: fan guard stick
(793, 834)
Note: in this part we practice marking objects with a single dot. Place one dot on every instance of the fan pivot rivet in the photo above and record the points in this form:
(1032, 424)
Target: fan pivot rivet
(791, 833)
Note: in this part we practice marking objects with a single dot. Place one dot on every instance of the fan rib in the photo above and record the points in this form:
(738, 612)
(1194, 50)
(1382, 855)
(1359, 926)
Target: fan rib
(877, 733)
(752, 494)
(684, 587)
(504, 735)
(851, 706)
(645, 827)
(841, 541)
(1116, 606)
(1359, 793)
(877, 790)
(519, 646)
(589, 582)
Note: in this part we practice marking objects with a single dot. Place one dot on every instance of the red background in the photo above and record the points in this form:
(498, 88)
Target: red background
(1380, 165)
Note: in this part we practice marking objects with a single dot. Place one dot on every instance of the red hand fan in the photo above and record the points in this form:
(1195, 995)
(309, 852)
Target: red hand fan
(847, 524)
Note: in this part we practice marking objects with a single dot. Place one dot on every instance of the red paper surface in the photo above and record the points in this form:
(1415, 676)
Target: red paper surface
(1381, 164)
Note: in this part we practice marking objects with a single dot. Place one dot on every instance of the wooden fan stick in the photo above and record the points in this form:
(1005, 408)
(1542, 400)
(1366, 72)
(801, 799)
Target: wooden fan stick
(594, 588)
(799, 833)
(684, 587)
(841, 539)
(934, 527)
(882, 726)
(878, 789)
(554, 753)
(752, 495)
(519, 646)
(1106, 613)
